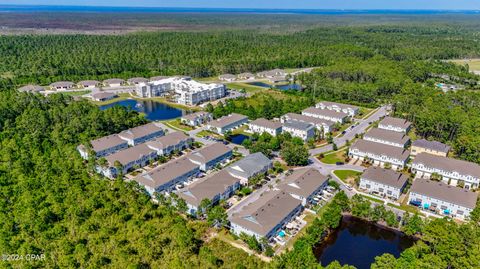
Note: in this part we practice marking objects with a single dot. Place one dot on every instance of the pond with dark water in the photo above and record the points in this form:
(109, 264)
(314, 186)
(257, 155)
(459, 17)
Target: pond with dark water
(238, 138)
(283, 87)
(153, 110)
(357, 242)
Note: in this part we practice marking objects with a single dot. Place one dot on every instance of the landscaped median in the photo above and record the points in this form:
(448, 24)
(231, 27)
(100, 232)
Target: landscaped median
(333, 157)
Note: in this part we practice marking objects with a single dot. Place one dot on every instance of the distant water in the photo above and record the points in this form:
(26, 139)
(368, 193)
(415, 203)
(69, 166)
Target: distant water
(153, 110)
(46, 8)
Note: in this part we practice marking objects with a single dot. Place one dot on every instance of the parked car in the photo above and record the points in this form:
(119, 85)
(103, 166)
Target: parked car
(339, 163)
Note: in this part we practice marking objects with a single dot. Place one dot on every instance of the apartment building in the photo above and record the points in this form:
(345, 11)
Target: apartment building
(136, 156)
(208, 157)
(349, 109)
(227, 123)
(395, 124)
(321, 124)
(452, 171)
(262, 125)
(299, 129)
(141, 134)
(442, 198)
(113, 82)
(383, 182)
(166, 145)
(430, 147)
(387, 137)
(196, 119)
(249, 167)
(304, 183)
(380, 154)
(103, 146)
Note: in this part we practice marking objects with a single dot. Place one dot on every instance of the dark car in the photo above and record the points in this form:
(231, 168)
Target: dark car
(339, 163)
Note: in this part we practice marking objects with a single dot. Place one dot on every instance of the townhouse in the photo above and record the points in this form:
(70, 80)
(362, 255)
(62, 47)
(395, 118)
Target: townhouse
(141, 134)
(208, 157)
(136, 156)
(430, 147)
(304, 183)
(102, 146)
(395, 124)
(103, 96)
(326, 114)
(322, 125)
(380, 154)
(215, 187)
(166, 145)
(227, 123)
(166, 176)
(197, 118)
(442, 198)
(272, 73)
(267, 216)
(249, 167)
(349, 109)
(452, 171)
(136, 80)
(246, 76)
(387, 137)
(88, 84)
(299, 129)
(262, 125)
(227, 77)
(113, 82)
(62, 85)
(383, 182)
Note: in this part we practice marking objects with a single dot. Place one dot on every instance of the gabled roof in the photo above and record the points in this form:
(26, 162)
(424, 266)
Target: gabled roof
(246, 75)
(207, 188)
(396, 122)
(62, 84)
(130, 154)
(298, 125)
(448, 164)
(249, 166)
(192, 116)
(168, 140)
(325, 112)
(309, 119)
(386, 135)
(140, 131)
(31, 88)
(102, 95)
(385, 176)
(227, 76)
(137, 80)
(106, 142)
(445, 192)
(227, 120)
(113, 81)
(381, 149)
(432, 145)
(88, 82)
(209, 153)
(304, 181)
(266, 123)
(167, 172)
(340, 105)
(266, 212)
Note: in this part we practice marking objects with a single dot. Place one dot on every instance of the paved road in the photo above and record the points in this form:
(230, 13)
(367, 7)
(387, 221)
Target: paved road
(362, 125)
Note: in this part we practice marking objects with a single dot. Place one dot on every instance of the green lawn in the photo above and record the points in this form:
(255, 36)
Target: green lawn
(248, 88)
(407, 208)
(345, 174)
(309, 218)
(241, 130)
(208, 133)
(77, 93)
(372, 199)
(177, 125)
(334, 157)
(473, 64)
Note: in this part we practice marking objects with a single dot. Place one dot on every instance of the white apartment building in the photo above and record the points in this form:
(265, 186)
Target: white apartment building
(184, 90)
(227, 123)
(349, 109)
(387, 137)
(451, 170)
(166, 145)
(380, 154)
(299, 129)
(321, 124)
(442, 199)
(395, 124)
(265, 126)
(383, 182)
(326, 114)
(197, 118)
(129, 158)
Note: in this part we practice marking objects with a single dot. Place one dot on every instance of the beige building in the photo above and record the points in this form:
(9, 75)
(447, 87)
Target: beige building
(430, 147)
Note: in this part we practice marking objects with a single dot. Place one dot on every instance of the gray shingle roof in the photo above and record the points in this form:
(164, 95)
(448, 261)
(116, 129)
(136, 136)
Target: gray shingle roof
(386, 135)
(311, 120)
(209, 153)
(304, 181)
(250, 165)
(130, 154)
(169, 140)
(106, 142)
(88, 83)
(266, 123)
(432, 145)
(385, 177)
(298, 125)
(340, 105)
(31, 88)
(102, 95)
(140, 131)
(113, 81)
(325, 112)
(445, 192)
(227, 120)
(381, 149)
(396, 122)
(192, 116)
(448, 164)
(62, 84)
(137, 80)
(167, 172)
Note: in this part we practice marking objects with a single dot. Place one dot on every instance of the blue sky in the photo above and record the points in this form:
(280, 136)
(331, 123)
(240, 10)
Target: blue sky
(278, 4)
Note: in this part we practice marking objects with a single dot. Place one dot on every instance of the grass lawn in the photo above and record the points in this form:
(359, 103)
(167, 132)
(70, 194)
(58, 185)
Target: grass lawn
(121, 96)
(473, 64)
(241, 130)
(407, 208)
(177, 125)
(379, 201)
(334, 157)
(208, 133)
(344, 175)
(77, 93)
(248, 88)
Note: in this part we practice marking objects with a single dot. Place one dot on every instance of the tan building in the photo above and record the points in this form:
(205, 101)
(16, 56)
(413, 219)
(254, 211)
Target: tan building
(430, 147)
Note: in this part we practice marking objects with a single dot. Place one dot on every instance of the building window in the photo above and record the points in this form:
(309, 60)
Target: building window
(460, 212)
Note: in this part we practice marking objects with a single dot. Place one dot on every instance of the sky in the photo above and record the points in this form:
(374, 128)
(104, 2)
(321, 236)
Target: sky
(273, 4)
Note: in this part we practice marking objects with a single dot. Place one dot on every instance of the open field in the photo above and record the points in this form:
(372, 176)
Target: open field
(346, 175)
(473, 64)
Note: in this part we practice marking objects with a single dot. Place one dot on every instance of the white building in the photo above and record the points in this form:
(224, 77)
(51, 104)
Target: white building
(103, 146)
(249, 167)
(299, 129)
(349, 109)
(262, 125)
(184, 90)
(141, 134)
(103, 96)
(62, 85)
(88, 84)
(227, 123)
(325, 114)
(227, 77)
(452, 171)
(209, 156)
(321, 124)
(136, 156)
(197, 118)
(113, 82)
(383, 182)
(380, 154)
(395, 124)
(442, 199)
(387, 137)
(304, 183)
(166, 145)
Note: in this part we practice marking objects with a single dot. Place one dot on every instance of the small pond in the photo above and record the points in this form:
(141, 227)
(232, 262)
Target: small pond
(260, 84)
(357, 242)
(283, 87)
(238, 138)
(153, 110)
